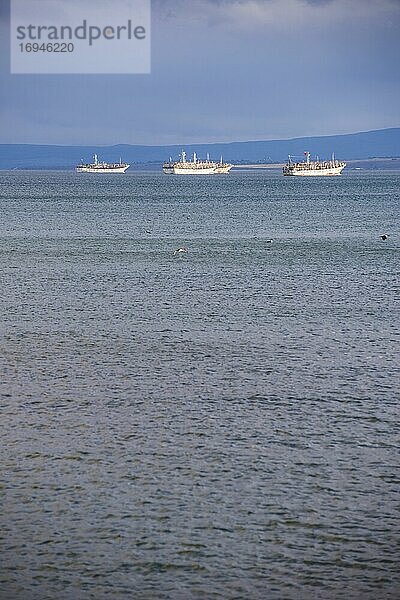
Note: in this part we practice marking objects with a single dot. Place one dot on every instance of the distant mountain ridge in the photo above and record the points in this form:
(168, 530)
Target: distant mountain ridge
(367, 144)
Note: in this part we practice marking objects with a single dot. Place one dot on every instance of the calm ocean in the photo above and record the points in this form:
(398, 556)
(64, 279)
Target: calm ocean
(217, 424)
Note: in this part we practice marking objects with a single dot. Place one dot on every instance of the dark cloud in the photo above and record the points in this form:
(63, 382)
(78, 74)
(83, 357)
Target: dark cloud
(220, 73)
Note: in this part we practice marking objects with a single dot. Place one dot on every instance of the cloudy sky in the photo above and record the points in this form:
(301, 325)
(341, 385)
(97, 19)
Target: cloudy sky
(223, 70)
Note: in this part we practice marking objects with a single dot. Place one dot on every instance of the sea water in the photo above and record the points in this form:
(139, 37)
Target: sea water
(220, 423)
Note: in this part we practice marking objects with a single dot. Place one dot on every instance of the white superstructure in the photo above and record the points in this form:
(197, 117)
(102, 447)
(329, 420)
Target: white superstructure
(102, 167)
(195, 166)
(312, 168)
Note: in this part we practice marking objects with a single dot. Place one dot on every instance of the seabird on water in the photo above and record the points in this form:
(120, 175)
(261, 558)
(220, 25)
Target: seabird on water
(384, 237)
(181, 249)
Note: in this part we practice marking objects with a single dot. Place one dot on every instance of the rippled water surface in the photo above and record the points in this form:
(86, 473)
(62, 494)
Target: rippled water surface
(216, 424)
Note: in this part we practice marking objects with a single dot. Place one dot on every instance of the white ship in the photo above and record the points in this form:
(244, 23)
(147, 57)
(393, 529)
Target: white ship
(195, 166)
(102, 167)
(312, 168)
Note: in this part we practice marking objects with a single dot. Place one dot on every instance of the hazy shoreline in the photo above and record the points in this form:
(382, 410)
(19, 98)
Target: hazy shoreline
(361, 164)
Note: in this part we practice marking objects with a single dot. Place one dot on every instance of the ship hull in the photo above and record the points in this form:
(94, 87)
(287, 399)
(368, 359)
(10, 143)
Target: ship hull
(188, 171)
(212, 170)
(101, 170)
(193, 171)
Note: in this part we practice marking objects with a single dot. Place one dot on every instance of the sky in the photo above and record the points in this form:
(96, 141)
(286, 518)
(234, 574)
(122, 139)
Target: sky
(223, 70)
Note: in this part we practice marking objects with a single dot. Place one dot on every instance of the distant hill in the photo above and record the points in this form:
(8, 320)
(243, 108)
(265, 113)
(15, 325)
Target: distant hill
(353, 146)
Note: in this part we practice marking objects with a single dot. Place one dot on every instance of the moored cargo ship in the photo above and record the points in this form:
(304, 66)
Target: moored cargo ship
(102, 167)
(312, 168)
(195, 166)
